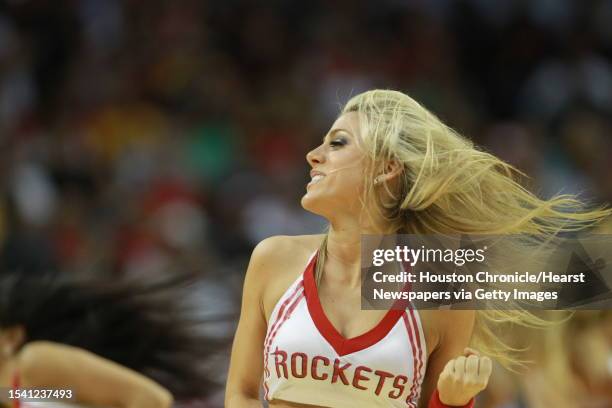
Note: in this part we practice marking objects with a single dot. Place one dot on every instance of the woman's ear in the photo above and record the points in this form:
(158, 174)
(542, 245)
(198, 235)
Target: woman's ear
(392, 169)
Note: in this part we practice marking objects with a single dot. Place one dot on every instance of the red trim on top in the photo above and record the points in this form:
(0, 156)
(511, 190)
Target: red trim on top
(285, 318)
(421, 352)
(340, 344)
(280, 318)
(16, 385)
(415, 364)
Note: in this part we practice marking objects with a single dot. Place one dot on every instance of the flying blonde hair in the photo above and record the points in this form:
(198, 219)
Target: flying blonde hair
(450, 186)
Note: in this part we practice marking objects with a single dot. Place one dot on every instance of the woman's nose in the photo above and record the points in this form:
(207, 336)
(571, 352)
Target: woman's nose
(314, 156)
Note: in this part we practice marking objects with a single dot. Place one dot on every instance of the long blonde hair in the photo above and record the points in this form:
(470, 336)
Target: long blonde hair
(450, 186)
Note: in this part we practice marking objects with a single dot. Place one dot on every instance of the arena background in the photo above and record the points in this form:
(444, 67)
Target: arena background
(139, 137)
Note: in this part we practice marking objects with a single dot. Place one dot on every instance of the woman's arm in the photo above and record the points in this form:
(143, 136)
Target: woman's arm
(93, 379)
(455, 375)
(246, 365)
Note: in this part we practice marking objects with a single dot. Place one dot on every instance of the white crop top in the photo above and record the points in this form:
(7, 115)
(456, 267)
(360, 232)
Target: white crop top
(306, 360)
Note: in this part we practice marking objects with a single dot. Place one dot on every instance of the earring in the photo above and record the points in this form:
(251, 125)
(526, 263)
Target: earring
(377, 180)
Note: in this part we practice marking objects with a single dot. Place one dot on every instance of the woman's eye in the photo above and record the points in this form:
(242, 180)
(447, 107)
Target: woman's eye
(337, 143)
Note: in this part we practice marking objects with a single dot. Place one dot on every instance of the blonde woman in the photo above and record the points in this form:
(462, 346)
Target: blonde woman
(387, 165)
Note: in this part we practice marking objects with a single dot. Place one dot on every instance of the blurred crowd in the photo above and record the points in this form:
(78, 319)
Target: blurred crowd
(151, 136)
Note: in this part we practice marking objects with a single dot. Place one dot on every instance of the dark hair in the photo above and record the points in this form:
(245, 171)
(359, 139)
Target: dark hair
(150, 327)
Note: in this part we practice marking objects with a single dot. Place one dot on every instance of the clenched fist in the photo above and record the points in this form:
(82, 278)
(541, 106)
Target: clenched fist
(463, 378)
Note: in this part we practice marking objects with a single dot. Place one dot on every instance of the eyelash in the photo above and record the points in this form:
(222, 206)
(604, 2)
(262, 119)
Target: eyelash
(337, 143)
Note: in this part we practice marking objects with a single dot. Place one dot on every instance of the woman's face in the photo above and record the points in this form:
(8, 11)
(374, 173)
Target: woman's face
(338, 167)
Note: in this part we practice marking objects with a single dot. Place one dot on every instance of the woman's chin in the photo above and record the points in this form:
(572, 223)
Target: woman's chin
(313, 204)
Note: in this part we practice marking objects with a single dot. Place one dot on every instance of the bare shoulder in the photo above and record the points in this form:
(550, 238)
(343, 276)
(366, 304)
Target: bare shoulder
(276, 263)
(282, 251)
(439, 325)
(443, 320)
(36, 351)
(275, 245)
(35, 354)
(36, 359)
(101, 382)
(448, 316)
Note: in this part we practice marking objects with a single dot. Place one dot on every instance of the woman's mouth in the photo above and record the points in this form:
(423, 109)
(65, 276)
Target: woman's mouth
(316, 178)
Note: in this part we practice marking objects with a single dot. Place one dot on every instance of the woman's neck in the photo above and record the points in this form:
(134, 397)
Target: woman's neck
(344, 249)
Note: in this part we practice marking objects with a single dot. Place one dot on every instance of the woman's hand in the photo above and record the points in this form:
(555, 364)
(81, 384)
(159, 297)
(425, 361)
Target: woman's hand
(463, 378)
